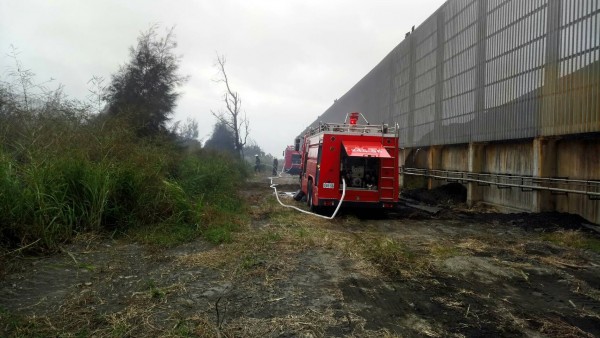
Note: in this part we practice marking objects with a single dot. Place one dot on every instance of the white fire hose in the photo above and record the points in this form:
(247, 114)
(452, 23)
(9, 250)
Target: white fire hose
(274, 186)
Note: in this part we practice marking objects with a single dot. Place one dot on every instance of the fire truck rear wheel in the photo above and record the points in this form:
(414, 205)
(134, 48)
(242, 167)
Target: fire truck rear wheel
(309, 198)
(309, 190)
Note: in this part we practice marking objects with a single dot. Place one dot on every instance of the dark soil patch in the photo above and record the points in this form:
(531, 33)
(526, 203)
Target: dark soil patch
(544, 222)
(447, 194)
(430, 306)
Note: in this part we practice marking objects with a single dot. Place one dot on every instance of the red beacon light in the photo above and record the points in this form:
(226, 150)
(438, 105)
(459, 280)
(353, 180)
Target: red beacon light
(354, 118)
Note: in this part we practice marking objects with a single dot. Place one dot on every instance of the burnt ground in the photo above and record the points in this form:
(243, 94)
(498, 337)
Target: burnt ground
(447, 194)
(457, 273)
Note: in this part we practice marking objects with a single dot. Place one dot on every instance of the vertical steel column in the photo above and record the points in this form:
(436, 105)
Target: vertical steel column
(548, 113)
(411, 90)
(544, 150)
(439, 79)
(392, 96)
(480, 66)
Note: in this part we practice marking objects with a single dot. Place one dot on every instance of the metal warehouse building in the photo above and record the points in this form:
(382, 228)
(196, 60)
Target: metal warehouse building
(500, 95)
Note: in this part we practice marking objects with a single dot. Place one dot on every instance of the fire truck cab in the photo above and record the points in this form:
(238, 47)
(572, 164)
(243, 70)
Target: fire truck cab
(364, 156)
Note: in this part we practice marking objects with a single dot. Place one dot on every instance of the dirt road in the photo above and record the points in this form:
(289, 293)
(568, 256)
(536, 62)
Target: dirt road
(287, 274)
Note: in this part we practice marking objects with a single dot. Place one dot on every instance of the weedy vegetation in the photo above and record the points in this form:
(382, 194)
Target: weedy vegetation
(83, 177)
(68, 167)
(109, 167)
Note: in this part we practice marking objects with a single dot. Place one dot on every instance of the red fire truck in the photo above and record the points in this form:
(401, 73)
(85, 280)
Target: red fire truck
(292, 159)
(365, 156)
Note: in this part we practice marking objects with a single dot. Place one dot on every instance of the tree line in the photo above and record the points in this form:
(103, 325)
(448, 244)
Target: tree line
(144, 90)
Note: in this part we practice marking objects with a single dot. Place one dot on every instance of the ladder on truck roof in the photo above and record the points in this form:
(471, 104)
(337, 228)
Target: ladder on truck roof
(388, 176)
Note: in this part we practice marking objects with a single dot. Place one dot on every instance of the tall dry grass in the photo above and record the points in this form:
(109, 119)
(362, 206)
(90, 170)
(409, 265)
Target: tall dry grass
(65, 170)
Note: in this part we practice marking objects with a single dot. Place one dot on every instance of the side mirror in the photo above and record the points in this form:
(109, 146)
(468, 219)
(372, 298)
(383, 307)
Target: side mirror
(297, 144)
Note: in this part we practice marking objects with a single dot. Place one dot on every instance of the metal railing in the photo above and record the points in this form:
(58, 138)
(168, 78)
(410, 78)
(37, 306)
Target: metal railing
(353, 128)
(556, 185)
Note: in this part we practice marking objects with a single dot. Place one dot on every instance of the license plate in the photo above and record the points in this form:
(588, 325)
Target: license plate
(328, 185)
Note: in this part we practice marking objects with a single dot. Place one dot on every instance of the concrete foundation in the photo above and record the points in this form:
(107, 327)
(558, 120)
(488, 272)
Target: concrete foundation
(578, 159)
(575, 158)
(514, 158)
(434, 162)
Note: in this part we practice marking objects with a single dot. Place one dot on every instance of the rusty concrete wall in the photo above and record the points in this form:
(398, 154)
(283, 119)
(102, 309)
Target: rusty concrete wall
(572, 158)
(579, 159)
(453, 157)
(456, 157)
(416, 157)
(508, 158)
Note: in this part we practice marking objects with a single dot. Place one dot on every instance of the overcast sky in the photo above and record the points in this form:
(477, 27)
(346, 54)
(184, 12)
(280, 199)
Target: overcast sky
(288, 59)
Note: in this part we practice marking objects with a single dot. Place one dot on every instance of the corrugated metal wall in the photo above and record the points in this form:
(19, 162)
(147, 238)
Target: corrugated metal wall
(487, 70)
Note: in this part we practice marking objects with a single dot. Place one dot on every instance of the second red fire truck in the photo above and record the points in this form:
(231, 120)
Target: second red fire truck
(291, 160)
(364, 156)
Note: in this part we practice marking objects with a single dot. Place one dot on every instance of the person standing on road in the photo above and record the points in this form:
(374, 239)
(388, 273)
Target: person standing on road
(275, 163)
(257, 164)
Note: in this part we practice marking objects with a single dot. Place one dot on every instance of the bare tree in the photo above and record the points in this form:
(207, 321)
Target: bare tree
(187, 130)
(232, 118)
(97, 89)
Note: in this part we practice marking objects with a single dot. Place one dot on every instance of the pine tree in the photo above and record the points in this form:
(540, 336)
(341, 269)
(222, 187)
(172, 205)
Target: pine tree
(144, 89)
